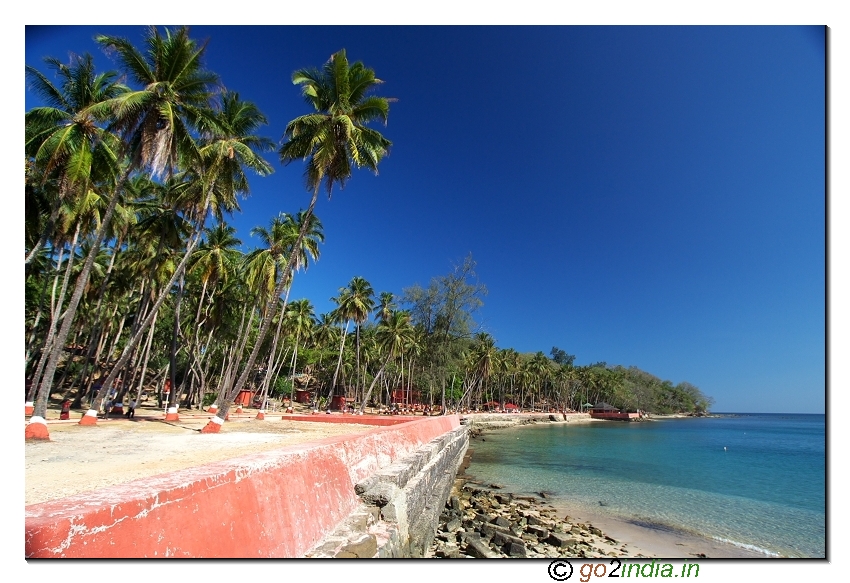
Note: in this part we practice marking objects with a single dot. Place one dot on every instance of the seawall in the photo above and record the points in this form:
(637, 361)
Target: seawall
(383, 488)
(478, 422)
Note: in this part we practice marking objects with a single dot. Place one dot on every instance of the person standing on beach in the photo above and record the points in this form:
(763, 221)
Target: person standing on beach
(65, 413)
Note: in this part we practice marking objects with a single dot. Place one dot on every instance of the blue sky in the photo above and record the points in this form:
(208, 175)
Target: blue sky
(648, 196)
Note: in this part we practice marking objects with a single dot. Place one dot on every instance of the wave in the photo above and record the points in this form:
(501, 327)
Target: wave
(753, 548)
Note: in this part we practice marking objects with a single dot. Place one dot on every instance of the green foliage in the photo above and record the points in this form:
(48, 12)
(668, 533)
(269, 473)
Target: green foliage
(282, 386)
(561, 357)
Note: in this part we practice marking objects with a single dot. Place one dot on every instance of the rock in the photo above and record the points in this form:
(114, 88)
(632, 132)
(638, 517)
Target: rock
(364, 547)
(491, 529)
(501, 539)
(502, 521)
(538, 531)
(515, 550)
(560, 540)
(453, 525)
(534, 520)
(483, 517)
(503, 498)
(529, 538)
(449, 551)
(477, 548)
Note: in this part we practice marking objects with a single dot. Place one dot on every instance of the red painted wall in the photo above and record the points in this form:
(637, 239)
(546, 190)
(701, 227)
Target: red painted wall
(271, 504)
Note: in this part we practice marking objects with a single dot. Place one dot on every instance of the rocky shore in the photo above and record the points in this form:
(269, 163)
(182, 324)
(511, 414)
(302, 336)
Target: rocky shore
(485, 522)
(482, 520)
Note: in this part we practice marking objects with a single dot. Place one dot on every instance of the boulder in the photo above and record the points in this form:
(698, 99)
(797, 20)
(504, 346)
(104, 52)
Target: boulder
(479, 549)
(538, 531)
(560, 540)
(515, 550)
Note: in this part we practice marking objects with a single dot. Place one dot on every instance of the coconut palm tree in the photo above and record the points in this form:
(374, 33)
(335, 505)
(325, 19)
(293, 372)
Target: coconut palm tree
(333, 140)
(227, 147)
(66, 138)
(299, 324)
(71, 152)
(340, 315)
(393, 335)
(155, 124)
(354, 304)
(360, 302)
(386, 305)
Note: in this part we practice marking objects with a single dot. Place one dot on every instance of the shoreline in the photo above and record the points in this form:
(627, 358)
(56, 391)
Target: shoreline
(635, 539)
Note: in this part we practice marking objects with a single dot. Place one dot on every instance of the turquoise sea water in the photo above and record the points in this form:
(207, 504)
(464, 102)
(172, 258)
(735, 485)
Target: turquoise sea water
(766, 491)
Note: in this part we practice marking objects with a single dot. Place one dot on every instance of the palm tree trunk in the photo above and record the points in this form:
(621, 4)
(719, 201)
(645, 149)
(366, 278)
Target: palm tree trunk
(175, 332)
(163, 294)
(338, 363)
(56, 307)
(270, 313)
(82, 281)
(368, 394)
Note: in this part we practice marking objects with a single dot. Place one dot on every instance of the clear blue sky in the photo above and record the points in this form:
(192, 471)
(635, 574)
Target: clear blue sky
(648, 196)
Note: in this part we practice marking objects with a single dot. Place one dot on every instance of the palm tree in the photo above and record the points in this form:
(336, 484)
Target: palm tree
(340, 315)
(299, 324)
(228, 144)
(333, 140)
(354, 303)
(67, 142)
(215, 261)
(216, 258)
(386, 305)
(360, 302)
(66, 138)
(393, 335)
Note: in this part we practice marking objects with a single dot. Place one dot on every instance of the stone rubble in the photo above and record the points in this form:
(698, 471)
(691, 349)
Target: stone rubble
(482, 523)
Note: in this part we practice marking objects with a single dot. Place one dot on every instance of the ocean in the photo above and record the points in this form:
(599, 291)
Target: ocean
(757, 481)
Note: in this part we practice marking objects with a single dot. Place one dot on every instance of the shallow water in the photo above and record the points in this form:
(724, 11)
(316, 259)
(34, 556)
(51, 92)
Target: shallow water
(765, 491)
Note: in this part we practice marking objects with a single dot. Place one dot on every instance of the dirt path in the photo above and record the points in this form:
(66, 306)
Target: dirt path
(79, 459)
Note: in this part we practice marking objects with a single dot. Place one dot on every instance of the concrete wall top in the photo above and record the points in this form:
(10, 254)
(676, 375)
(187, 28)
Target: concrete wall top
(276, 503)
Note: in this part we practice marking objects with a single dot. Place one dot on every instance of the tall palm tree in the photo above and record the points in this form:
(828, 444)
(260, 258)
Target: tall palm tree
(333, 140)
(228, 143)
(216, 258)
(360, 302)
(340, 316)
(353, 305)
(299, 323)
(393, 335)
(67, 138)
(386, 305)
(67, 141)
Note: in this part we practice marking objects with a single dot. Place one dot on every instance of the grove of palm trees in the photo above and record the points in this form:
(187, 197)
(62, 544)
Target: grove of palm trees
(135, 280)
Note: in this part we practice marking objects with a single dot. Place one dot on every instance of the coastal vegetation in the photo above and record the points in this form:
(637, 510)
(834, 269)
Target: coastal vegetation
(136, 282)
